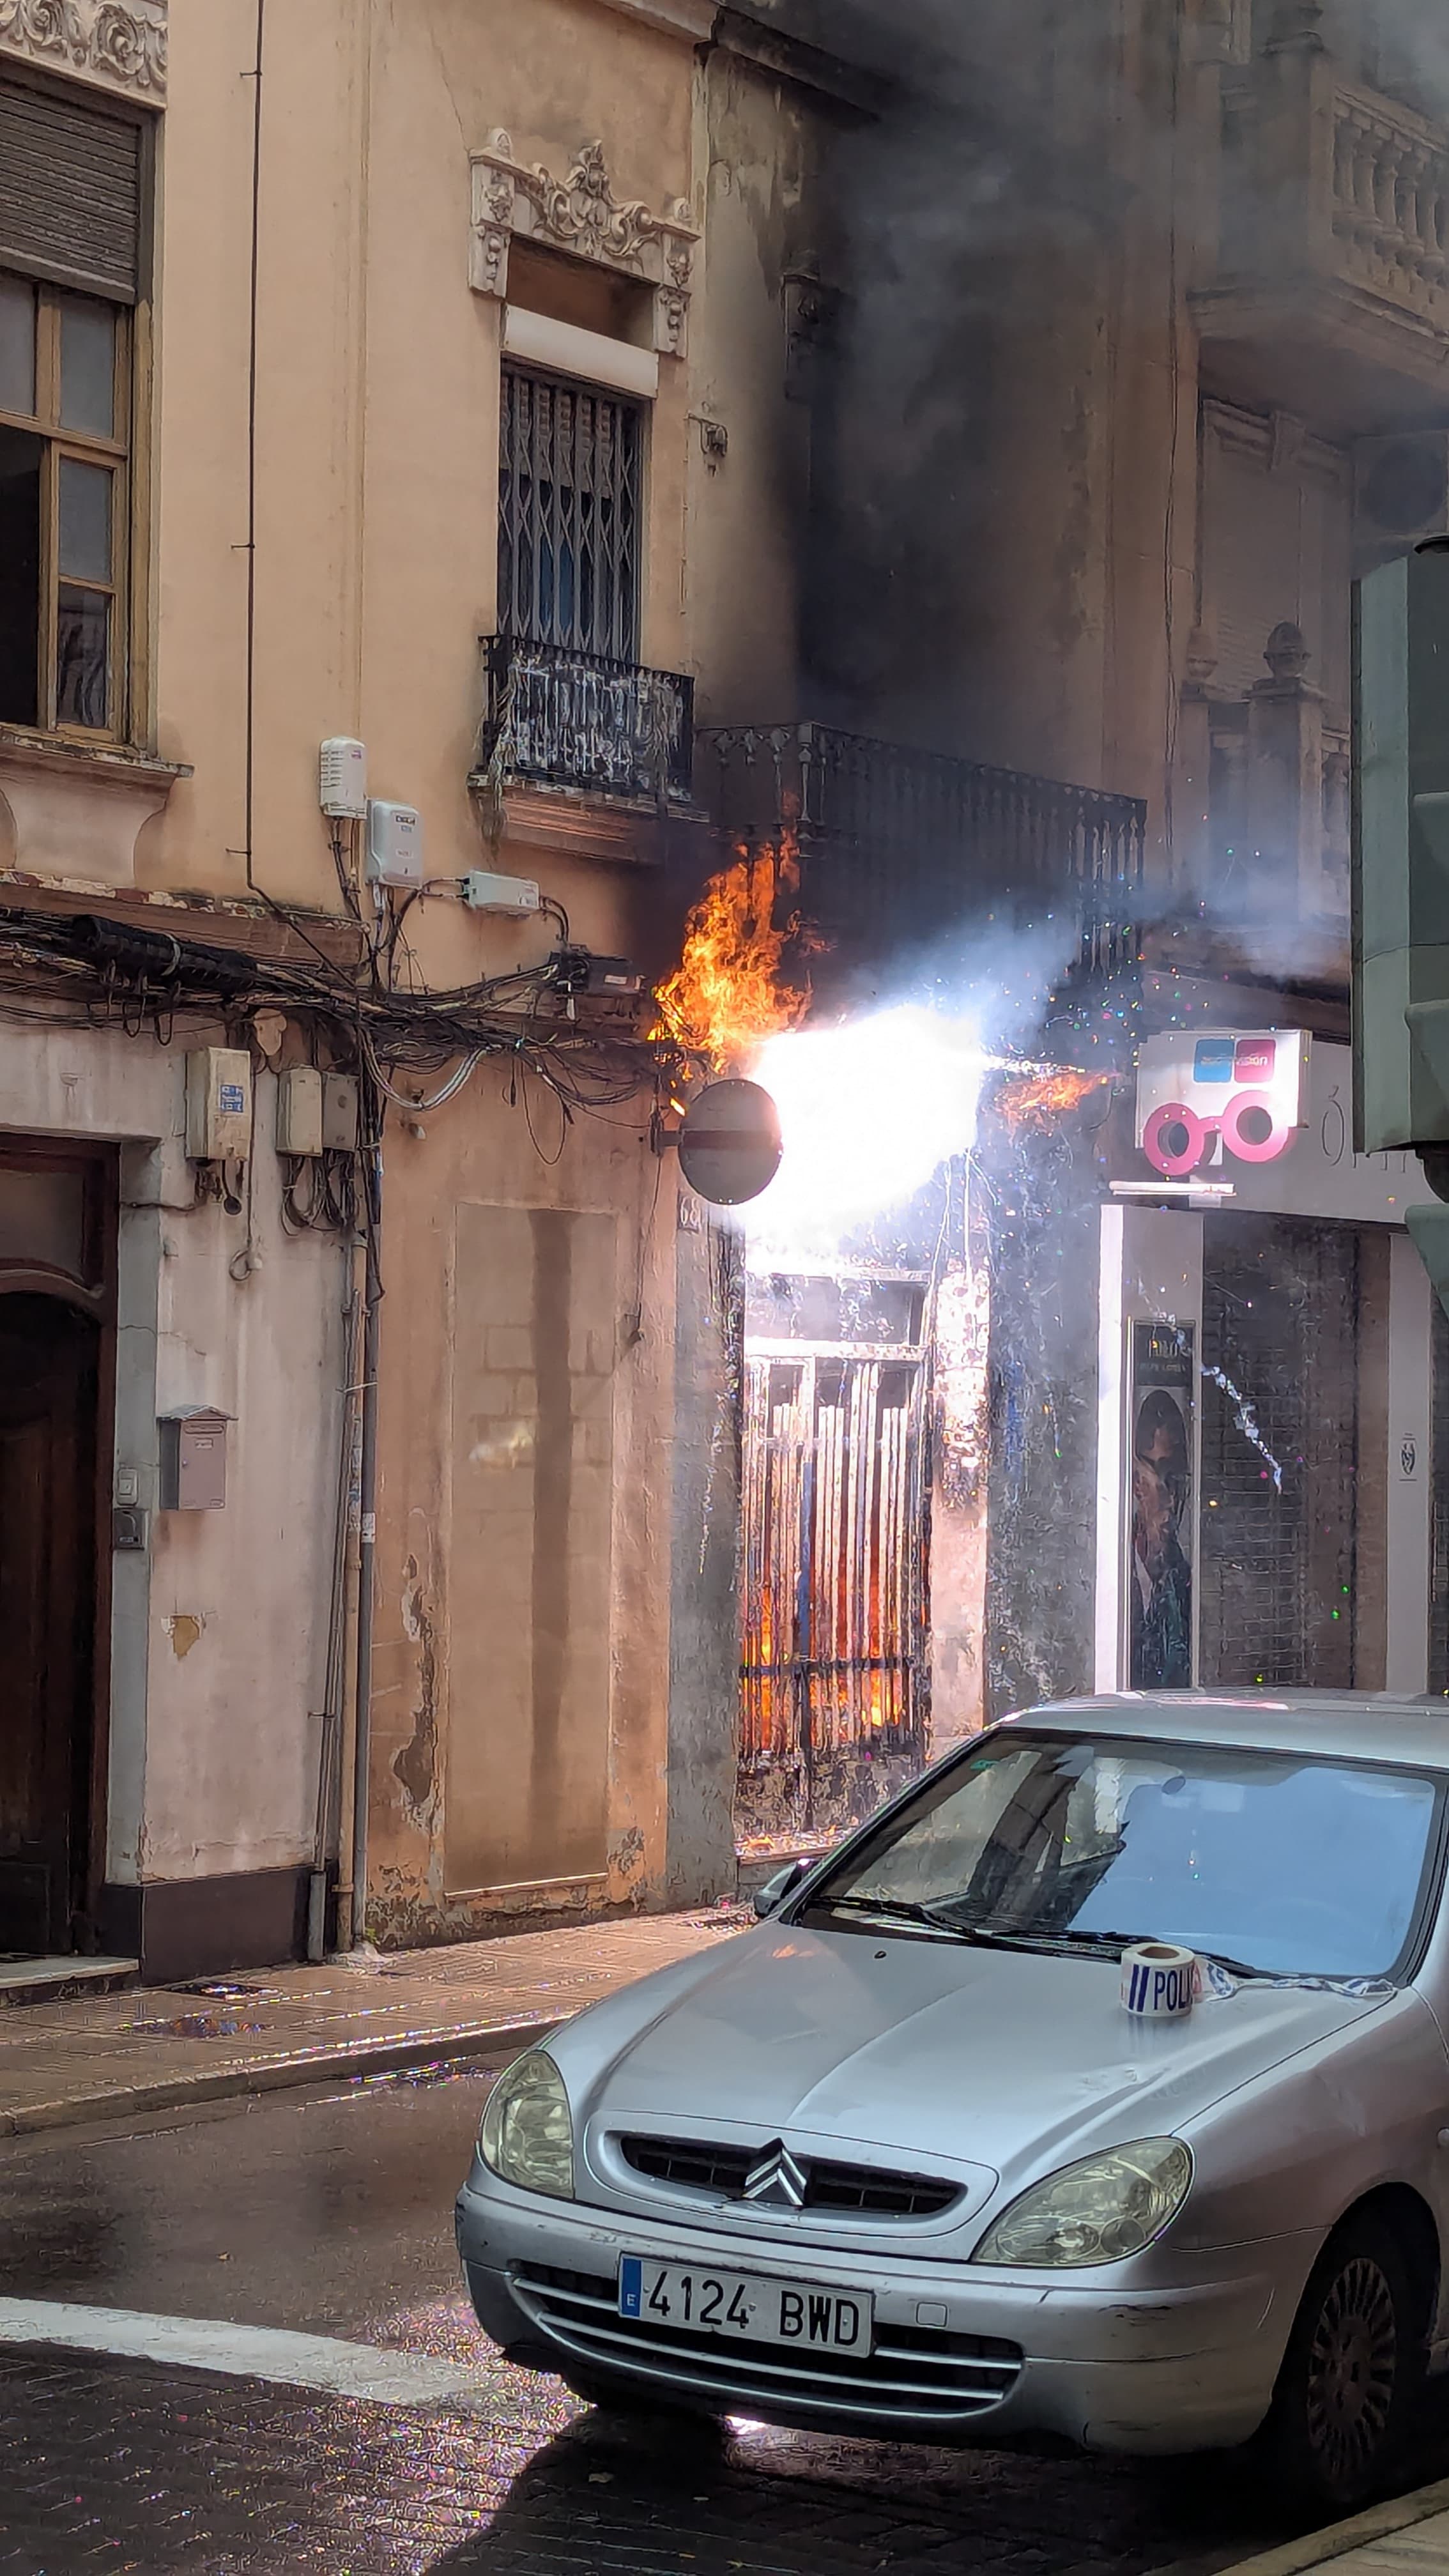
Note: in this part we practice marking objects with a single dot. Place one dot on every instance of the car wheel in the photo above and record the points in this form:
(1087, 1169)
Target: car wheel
(1353, 2368)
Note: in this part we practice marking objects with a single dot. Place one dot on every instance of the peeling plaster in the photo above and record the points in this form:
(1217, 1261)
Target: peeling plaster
(415, 1764)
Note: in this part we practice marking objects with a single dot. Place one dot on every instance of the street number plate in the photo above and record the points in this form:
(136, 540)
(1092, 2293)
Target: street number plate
(741, 2305)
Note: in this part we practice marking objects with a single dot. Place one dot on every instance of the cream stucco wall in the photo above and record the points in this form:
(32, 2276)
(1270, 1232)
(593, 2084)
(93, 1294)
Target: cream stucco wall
(345, 418)
(219, 1637)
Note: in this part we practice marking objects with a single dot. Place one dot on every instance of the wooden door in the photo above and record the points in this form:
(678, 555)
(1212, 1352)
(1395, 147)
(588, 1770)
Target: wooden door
(49, 1373)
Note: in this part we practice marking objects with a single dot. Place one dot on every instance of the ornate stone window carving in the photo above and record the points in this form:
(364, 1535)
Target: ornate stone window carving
(119, 45)
(578, 213)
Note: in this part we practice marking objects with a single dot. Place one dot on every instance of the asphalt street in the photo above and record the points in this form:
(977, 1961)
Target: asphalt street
(215, 2235)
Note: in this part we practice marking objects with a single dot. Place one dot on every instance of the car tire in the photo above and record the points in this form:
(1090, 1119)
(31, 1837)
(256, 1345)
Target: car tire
(1351, 2376)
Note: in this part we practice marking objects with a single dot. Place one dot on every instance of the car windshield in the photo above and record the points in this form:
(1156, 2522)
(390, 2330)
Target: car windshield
(1281, 1862)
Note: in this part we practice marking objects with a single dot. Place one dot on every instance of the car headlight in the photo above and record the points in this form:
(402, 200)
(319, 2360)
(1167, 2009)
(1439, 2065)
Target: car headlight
(526, 2133)
(1098, 2211)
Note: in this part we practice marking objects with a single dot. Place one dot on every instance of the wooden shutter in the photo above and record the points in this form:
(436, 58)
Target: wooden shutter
(70, 192)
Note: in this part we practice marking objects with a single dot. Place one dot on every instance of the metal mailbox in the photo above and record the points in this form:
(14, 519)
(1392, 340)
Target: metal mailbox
(193, 1459)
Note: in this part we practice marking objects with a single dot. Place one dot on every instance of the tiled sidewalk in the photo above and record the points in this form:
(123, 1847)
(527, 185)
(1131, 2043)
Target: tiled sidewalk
(97, 2058)
(1405, 2536)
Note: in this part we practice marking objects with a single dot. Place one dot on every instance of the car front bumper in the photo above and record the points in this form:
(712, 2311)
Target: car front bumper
(960, 2356)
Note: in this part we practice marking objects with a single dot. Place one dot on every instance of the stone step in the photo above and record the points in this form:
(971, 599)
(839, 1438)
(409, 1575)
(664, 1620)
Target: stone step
(45, 1981)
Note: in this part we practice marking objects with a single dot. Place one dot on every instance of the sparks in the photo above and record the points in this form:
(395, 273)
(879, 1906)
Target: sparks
(1038, 1098)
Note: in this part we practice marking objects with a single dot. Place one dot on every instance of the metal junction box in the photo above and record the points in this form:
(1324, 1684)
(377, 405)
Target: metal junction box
(299, 1110)
(339, 1113)
(193, 1459)
(218, 1105)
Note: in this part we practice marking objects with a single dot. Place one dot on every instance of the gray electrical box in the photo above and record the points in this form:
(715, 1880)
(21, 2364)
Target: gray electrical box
(299, 1110)
(339, 1113)
(193, 1459)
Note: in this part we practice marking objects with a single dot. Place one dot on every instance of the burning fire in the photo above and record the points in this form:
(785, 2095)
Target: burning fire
(1034, 1099)
(730, 991)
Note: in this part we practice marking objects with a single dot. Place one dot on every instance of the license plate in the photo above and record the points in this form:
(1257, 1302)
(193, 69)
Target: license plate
(743, 2306)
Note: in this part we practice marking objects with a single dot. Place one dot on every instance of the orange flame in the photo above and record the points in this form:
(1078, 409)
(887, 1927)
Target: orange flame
(1034, 1099)
(730, 990)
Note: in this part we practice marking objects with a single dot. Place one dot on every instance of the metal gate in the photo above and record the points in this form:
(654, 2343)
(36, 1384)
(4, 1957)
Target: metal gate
(835, 1672)
(1279, 1451)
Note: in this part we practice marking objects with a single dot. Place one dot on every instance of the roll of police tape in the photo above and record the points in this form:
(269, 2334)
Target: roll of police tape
(1159, 1981)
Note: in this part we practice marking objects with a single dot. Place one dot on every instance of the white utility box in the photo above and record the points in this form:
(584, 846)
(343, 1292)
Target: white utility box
(342, 779)
(394, 843)
(299, 1110)
(218, 1105)
(485, 892)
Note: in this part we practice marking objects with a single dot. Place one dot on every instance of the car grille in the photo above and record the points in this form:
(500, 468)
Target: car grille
(913, 2373)
(864, 2191)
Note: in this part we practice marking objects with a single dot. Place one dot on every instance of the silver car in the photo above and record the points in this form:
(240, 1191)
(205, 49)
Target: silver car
(902, 2160)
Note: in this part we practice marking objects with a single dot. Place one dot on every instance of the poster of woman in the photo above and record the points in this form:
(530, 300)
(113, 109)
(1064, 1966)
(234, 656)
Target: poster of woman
(1160, 1654)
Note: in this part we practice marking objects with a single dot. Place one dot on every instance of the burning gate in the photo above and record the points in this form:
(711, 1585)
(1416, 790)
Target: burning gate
(835, 1672)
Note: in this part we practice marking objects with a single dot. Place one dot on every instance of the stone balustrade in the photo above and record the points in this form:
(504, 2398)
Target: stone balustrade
(1321, 265)
(1391, 202)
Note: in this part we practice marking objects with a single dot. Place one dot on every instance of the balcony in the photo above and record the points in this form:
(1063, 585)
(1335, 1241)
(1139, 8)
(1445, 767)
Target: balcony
(1325, 285)
(556, 718)
(898, 846)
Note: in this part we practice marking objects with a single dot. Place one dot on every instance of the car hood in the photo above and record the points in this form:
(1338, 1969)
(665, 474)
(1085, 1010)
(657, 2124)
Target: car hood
(988, 2056)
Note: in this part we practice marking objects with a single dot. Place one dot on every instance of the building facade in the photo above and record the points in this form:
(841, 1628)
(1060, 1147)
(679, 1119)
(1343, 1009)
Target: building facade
(1132, 360)
(366, 1412)
(623, 431)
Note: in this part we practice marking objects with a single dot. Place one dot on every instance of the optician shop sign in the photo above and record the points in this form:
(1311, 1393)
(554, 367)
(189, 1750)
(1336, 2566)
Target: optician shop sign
(1209, 1098)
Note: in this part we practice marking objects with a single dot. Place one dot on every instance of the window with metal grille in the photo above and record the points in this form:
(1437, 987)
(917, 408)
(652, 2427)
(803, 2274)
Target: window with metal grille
(568, 516)
(72, 184)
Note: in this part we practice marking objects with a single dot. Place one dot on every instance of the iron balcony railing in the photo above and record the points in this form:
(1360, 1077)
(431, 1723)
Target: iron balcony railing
(897, 844)
(561, 718)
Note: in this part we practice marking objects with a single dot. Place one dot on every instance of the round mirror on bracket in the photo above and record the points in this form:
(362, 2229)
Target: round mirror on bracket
(729, 1145)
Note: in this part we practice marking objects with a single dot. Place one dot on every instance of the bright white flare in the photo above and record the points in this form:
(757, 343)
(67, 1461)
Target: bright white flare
(867, 1112)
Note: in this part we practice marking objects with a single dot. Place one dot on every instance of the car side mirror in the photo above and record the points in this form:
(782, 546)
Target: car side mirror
(770, 1897)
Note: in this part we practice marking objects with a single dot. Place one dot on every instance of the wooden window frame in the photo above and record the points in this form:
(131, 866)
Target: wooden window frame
(118, 455)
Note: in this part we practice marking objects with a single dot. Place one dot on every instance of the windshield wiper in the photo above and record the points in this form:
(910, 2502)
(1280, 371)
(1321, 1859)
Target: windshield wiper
(930, 1918)
(898, 1909)
(1069, 1939)
(1000, 1936)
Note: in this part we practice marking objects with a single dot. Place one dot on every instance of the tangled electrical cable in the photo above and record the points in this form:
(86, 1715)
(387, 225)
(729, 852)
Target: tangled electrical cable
(83, 970)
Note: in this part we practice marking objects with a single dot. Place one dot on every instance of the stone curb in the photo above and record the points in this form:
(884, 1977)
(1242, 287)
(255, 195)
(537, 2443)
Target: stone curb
(276, 2074)
(1319, 2548)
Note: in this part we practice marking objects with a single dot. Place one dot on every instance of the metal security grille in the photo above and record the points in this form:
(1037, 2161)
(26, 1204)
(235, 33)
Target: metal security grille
(835, 1637)
(1279, 1452)
(568, 516)
(1439, 1560)
(70, 192)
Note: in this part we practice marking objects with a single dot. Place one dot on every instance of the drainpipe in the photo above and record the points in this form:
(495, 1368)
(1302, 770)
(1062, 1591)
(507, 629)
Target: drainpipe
(327, 1831)
(371, 1107)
